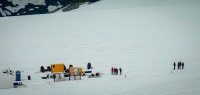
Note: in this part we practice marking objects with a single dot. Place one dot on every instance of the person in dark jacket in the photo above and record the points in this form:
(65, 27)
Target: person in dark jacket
(89, 65)
(116, 71)
(42, 69)
(182, 65)
(54, 77)
(49, 68)
(174, 65)
(179, 65)
(120, 70)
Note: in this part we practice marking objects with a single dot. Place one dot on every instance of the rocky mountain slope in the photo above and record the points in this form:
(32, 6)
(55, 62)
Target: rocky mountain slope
(28, 7)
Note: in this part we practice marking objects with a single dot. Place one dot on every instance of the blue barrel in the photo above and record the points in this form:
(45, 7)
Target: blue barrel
(18, 76)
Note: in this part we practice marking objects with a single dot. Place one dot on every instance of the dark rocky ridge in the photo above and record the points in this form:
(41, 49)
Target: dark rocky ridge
(65, 5)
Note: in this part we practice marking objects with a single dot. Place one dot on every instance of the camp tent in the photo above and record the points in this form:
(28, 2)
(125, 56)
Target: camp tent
(76, 70)
(55, 68)
(6, 81)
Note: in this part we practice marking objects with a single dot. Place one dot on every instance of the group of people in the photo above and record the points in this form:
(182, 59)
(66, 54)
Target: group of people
(180, 65)
(114, 71)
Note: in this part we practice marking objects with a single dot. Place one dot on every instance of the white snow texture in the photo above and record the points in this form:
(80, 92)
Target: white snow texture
(143, 37)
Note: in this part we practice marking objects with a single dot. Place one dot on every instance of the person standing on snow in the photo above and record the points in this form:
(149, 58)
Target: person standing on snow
(174, 65)
(182, 65)
(89, 66)
(112, 70)
(116, 71)
(179, 65)
(54, 77)
(120, 70)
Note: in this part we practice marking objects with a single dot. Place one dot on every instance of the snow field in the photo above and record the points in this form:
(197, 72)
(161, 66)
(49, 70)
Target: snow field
(143, 40)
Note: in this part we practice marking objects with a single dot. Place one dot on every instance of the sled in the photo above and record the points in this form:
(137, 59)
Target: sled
(97, 75)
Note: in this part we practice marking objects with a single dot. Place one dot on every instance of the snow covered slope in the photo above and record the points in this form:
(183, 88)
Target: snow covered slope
(144, 40)
(119, 4)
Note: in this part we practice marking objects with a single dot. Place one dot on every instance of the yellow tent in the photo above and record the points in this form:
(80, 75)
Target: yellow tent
(59, 67)
(75, 70)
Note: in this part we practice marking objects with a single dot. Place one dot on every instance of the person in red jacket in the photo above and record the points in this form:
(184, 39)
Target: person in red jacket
(112, 70)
